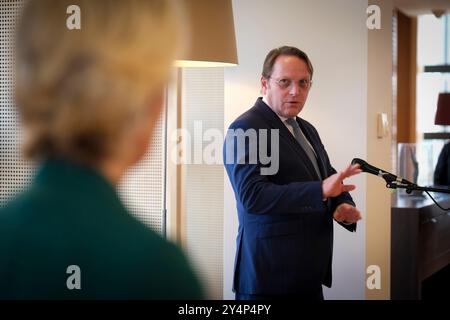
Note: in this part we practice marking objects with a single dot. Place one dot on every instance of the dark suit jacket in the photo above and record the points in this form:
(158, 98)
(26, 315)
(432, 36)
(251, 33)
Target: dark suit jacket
(71, 215)
(285, 236)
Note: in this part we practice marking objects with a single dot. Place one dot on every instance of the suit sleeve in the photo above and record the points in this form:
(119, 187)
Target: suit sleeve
(256, 194)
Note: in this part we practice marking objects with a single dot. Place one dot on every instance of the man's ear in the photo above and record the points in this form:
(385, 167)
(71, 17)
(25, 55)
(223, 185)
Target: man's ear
(264, 85)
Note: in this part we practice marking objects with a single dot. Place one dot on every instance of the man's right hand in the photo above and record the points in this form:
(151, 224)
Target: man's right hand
(334, 186)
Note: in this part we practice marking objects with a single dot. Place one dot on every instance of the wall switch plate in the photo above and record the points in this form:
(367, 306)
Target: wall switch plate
(382, 125)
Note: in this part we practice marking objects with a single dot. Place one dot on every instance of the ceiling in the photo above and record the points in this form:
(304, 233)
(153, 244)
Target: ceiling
(418, 7)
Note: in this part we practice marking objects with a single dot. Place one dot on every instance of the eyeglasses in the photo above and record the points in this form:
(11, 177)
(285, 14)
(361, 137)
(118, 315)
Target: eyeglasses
(285, 83)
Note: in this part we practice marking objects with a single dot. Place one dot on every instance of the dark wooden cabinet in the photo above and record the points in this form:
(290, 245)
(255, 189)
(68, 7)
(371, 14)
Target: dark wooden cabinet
(420, 242)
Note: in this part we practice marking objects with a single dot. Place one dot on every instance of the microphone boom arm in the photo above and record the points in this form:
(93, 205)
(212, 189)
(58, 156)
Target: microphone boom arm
(394, 182)
(411, 187)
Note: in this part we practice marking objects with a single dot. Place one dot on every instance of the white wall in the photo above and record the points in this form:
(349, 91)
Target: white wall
(334, 35)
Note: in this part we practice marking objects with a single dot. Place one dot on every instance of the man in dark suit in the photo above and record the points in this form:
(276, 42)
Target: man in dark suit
(442, 170)
(285, 235)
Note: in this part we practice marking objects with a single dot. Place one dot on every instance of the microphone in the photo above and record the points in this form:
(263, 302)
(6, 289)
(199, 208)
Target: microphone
(389, 177)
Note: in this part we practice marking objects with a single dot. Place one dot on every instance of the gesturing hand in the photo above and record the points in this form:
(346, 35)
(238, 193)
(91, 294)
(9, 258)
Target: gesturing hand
(346, 213)
(333, 185)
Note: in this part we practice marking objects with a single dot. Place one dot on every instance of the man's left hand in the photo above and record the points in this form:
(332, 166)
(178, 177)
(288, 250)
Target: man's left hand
(346, 213)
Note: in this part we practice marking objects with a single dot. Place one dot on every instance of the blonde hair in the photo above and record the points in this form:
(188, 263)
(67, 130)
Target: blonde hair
(77, 90)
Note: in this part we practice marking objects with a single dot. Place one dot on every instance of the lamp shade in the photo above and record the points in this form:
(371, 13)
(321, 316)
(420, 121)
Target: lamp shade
(443, 109)
(212, 38)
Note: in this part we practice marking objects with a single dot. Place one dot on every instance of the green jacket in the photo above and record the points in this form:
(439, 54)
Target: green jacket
(72, 216)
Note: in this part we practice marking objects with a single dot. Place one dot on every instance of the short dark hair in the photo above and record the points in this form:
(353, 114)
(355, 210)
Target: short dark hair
(284, 51)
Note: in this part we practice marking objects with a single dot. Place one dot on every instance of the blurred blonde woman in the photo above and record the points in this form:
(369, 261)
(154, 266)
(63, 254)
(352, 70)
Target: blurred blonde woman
(88, 100)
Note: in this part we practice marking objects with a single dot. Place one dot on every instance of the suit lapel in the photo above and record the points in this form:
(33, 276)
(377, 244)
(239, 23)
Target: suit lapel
(275, 122)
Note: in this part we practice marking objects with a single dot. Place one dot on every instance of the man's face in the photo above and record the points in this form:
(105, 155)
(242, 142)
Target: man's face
(287, 88)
